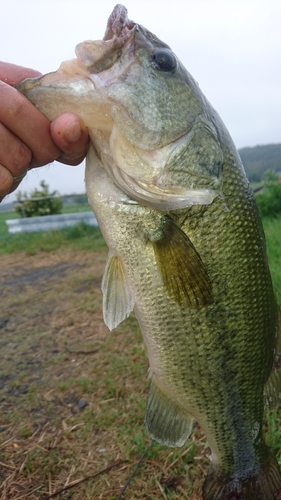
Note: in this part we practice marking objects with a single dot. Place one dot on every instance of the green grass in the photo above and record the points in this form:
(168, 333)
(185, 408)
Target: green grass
(72, 208)
(272, 229)
(78, 237)
(273, 432)
(3, 226)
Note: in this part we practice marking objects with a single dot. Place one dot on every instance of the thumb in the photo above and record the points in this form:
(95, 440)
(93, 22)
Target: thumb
(71, 136)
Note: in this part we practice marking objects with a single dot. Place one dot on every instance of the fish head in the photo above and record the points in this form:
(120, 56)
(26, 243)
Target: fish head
(160, 131)
(142, 78)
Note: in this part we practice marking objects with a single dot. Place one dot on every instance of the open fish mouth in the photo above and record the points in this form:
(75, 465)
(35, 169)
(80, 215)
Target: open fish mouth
(93, 57)
(118, 23)
(100, 55)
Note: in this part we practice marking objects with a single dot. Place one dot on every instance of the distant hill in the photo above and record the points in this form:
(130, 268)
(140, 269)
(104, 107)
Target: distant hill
(259, 159)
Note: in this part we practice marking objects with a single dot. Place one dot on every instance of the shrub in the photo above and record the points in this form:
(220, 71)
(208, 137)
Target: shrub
(39, 202)
(269, 200)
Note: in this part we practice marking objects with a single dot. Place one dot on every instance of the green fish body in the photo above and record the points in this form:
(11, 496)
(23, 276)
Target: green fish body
(186, 248)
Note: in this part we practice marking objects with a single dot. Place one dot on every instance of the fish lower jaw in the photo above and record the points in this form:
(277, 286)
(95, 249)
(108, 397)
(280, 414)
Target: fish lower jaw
(152, 194)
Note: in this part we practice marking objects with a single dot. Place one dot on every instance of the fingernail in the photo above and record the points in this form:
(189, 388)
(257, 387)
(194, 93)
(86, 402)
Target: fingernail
(73, 132)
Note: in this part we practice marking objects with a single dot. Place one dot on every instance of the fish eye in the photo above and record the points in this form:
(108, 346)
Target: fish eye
(164, 60)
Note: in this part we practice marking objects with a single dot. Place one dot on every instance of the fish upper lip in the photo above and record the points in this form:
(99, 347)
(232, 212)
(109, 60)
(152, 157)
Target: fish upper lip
(98, 56)
(118, 23)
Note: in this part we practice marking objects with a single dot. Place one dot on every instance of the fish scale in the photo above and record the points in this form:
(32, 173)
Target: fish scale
(186, 248)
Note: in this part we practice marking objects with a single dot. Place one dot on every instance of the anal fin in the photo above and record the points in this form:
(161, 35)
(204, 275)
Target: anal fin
(118, 301)
(166, 422)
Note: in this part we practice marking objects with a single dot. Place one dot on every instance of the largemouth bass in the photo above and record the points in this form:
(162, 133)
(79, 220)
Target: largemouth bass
(186, 248)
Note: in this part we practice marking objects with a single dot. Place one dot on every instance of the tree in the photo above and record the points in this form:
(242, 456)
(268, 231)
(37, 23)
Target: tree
(270, 177)
(39, 202)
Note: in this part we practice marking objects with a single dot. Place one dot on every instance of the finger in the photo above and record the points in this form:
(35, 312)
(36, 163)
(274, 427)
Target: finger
(6, 182)
(71, 136)
(13, 74)
(26, 122)
(14, 154)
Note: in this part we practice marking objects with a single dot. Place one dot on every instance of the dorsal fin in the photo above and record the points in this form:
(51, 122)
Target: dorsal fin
(183, 272)
(118, 301)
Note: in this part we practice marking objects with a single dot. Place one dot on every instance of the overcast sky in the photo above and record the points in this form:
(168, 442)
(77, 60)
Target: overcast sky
(231, 47)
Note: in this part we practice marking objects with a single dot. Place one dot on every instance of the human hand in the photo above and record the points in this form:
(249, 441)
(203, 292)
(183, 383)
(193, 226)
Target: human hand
(27, 138)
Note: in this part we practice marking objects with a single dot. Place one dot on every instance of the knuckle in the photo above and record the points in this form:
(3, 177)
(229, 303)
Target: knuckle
(21, 156)
(43, 158)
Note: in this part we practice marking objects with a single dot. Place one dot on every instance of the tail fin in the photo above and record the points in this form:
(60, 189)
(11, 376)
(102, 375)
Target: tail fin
(263, 484)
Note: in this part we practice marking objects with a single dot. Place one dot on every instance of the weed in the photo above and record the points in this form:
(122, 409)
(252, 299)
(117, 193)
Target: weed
(25, 433)
(63, 386)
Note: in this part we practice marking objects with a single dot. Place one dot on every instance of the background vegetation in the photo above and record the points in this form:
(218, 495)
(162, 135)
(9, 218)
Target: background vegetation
(39, 202)
(269, 198)
(257, 160)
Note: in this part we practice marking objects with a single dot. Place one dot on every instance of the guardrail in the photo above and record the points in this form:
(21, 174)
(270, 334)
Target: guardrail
(49, 222)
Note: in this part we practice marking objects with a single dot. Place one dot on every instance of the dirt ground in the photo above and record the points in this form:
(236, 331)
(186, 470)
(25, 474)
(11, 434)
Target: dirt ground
(50, 332)
(42, 296)
(72, 394)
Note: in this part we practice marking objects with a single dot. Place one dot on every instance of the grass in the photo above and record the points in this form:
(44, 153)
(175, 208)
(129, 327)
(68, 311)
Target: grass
(272, 229)
(78, 237)
(56, 352)
(273, 431)
(67, 209)
(70, 208)
(3, 226)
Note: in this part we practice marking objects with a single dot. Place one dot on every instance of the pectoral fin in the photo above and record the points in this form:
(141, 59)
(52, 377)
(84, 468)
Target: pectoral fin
(117, 298)
(183, 272)
(166, 422)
